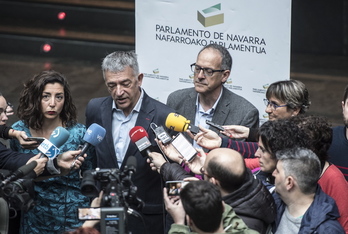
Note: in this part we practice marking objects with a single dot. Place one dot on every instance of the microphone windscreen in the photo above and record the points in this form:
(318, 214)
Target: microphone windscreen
(137, 133)
(59, 136)
(177, 122)
(94, 134)
(131, 162)
(26, 169)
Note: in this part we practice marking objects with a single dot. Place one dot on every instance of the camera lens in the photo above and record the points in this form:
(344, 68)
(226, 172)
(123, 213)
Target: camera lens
(88, 187)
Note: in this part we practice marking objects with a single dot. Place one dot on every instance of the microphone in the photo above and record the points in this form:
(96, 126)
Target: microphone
(131, 164)
(93, 136)
(179, 123)
(130, 168)
(50, 148)
(139, 136)
(20, 172)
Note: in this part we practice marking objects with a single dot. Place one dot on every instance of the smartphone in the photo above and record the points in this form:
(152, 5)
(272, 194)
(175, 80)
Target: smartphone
(37, 139)
(89, 213)
(174, 187)
(214, 125)
(184, 147)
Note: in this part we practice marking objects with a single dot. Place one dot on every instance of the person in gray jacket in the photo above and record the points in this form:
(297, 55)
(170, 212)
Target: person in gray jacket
(209, 99)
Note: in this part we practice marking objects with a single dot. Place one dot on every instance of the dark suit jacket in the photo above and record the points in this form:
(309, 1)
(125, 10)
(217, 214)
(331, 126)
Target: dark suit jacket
(12, 160)
(231, 109)
(148, 182)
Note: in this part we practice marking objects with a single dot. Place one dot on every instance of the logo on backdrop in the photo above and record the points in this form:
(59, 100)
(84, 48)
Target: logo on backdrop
(156, 75)
(211, 16)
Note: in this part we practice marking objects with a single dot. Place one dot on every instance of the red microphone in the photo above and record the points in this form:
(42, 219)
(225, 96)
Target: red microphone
(140, 138)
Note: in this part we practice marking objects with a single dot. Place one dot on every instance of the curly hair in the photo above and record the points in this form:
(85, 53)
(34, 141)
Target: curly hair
(280, 134)
(318, 134)
(29, 108)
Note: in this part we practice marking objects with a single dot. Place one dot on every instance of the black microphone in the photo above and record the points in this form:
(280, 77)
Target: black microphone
(131, 165)
(130, 168)
(20, 172)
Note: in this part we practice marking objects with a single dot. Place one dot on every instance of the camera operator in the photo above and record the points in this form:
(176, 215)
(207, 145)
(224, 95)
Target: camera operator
(95, 203)
(201, 204)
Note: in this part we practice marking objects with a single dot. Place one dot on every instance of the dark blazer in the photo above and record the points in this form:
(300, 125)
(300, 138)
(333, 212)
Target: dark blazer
(231, 109)
(148, 182)
(12, 160)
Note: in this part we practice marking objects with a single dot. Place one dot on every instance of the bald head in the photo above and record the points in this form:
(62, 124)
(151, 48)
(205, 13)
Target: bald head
(227, 166)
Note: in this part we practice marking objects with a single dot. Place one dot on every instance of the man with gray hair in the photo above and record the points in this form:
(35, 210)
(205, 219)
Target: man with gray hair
(209, 99)
(129, 106)
(302, 207)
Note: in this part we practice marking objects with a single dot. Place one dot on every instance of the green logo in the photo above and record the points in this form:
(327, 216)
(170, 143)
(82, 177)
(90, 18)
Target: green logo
(211, 16)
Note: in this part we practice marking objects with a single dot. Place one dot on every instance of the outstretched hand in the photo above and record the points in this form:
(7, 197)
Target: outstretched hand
(156, 160)
(206, 138)
(22, 138)
(174, 207)
(170, 151)
(41, 163)
(236, 131)
(197, 163)
(66, 159)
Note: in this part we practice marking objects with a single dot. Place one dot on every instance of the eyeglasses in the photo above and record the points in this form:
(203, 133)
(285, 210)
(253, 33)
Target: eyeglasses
(202, 171)
(207, 71)
(272, 104)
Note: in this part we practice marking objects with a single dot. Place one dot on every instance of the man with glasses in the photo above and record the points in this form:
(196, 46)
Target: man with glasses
(209, 99)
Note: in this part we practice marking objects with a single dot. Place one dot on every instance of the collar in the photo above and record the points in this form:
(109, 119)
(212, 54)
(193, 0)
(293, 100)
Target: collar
(211, 110)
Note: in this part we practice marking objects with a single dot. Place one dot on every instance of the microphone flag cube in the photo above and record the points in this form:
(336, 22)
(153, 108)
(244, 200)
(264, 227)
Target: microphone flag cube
(49, 149)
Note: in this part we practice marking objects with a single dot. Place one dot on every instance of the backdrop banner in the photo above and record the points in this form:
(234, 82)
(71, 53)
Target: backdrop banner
(169, 35)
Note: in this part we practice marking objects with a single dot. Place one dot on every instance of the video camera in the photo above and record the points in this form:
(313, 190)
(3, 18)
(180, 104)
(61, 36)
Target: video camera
(15, 195)
(118, 197)
(18, 194)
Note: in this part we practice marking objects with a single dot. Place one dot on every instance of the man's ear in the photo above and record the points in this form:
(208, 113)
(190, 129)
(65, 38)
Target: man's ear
(140, 79)
(214, 181)
(225, 76)
(343, 105)
(296, 111)
(289, 182)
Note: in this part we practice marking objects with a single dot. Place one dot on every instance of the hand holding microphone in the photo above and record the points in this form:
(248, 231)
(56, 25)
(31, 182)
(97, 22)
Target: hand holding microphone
(41, 163)
(93, 136)
(50, 148)
(20, 172)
